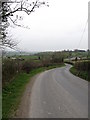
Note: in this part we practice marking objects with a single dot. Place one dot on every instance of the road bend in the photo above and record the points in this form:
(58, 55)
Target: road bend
(57, 93)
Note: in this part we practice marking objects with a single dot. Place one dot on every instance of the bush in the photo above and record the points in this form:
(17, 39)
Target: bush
(57, 59)
(28, 65)
(83, 66)
(46, 62)
(82, 69)
(9, 69)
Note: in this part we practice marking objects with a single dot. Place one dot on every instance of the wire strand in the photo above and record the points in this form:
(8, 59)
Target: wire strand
(82, 34)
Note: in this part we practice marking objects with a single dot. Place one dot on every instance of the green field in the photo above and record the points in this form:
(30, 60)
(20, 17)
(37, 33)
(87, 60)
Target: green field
(28, 57)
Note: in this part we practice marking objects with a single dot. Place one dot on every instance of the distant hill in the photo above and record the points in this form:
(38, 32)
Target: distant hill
(15, 53)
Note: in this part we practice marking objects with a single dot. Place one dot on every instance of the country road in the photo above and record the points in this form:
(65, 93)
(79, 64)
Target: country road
(57, 93)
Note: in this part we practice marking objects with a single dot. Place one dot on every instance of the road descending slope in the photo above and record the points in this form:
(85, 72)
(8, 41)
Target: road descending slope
(57, 93)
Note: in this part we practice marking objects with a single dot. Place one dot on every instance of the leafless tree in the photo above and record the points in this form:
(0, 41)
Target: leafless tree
(8, 10)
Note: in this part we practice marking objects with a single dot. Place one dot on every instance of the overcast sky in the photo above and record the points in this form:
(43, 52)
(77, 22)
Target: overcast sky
(57, 27)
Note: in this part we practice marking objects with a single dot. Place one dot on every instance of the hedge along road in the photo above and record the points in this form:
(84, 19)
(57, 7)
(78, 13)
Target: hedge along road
(57, 93)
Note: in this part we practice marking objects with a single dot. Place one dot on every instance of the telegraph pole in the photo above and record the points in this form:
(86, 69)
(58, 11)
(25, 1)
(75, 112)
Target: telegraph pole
(88, 53)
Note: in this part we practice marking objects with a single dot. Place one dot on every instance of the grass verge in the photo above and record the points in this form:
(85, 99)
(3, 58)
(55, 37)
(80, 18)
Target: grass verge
(81, 74)
(13, 91)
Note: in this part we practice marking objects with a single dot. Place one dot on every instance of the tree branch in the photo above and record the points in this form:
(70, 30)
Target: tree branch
(24, 9)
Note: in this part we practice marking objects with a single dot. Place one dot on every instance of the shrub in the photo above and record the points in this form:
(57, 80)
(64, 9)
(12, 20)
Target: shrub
(84, 66)
(28, 65)
(46, 62)
(9, 69)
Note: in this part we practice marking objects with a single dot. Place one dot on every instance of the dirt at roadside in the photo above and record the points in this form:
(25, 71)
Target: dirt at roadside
(24, 107)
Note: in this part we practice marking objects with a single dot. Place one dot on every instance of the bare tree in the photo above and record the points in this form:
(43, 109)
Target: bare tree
(8, 10)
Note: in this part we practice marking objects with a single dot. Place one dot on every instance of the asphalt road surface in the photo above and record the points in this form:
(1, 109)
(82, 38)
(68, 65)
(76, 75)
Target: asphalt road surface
(57, 93)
